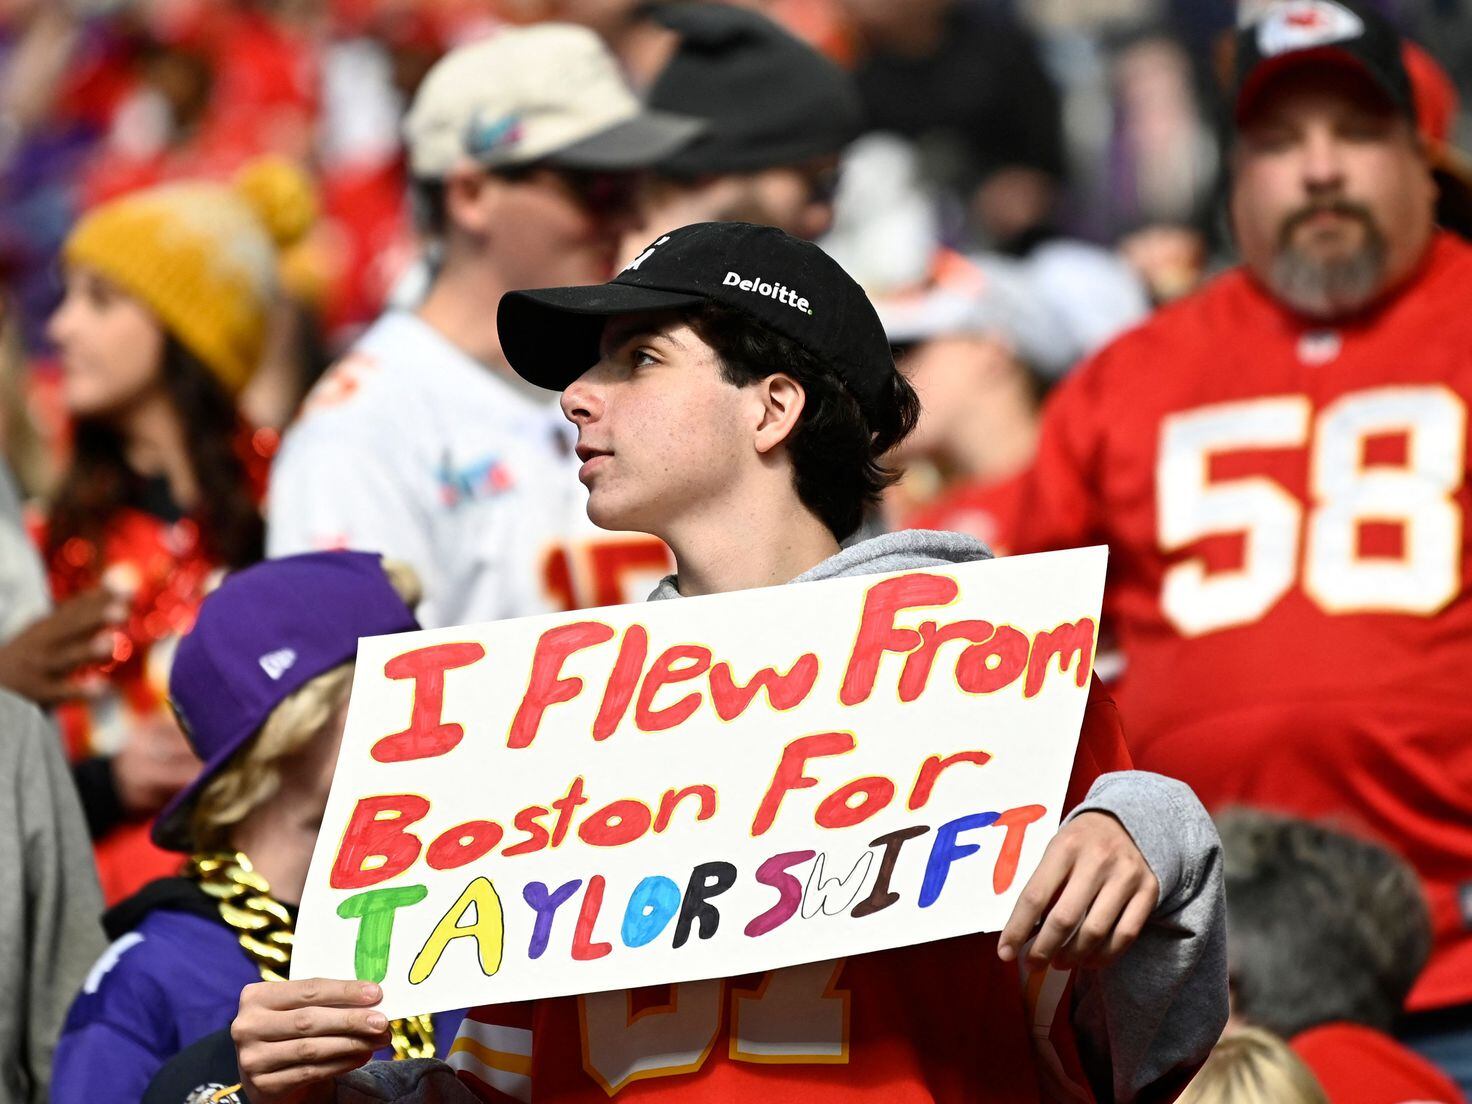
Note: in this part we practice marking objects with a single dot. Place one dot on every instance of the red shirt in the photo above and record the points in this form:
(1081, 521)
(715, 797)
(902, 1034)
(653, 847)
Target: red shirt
(937, 1022)
(1285, 507)
(986, 510)
(169, 570)
(1359, 1065)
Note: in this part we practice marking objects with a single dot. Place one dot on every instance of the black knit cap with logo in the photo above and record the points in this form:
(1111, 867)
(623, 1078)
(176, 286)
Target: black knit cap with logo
(1290, 33)
(550, 337)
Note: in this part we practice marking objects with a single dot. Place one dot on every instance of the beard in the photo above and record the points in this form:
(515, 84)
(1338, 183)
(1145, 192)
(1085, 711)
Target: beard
(1335, 286)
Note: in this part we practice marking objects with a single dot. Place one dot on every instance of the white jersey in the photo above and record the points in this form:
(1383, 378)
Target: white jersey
(411, 448)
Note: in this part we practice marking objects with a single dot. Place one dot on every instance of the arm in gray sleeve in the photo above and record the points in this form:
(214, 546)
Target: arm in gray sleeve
(1147, 1021)
(51, 931)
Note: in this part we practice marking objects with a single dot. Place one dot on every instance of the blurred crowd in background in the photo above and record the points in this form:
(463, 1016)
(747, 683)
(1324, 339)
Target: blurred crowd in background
(1070, 149)
(1014, 182)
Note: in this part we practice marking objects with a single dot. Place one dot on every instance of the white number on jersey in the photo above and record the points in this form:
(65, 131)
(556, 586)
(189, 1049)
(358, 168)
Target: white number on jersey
(1415, 496)
(795, 1015)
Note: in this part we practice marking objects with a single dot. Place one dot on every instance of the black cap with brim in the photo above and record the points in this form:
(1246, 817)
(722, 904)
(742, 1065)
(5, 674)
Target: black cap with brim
(646, 139)
(1295, 33)
(770, 98)
(1396, 92)
(551, 337)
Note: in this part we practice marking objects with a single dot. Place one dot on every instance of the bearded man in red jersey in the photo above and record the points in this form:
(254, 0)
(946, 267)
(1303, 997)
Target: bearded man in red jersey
(1279, 465)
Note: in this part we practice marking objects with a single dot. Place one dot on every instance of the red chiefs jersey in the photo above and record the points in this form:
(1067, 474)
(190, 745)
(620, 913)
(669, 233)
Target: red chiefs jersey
(1359, 1065)
(168, 569)
(1286, 507)
(938, 1022)
(984, 510)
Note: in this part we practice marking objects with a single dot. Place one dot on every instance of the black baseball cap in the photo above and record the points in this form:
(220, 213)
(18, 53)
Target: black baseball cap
(769, 99)
(1293, 32)
(550, 336)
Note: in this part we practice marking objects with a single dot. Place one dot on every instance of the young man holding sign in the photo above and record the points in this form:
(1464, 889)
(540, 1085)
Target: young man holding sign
(734, 394)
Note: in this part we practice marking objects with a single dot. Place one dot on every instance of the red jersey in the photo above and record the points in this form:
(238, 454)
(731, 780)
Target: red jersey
(1285, 506)
(986, 510)
(1359, 1065)
(169, 571)
(937, 1022)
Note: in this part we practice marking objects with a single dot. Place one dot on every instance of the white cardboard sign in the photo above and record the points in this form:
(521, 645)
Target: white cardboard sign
(708, 787)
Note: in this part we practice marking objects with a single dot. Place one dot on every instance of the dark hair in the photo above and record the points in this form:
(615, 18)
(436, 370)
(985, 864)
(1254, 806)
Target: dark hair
(98, 481)
(428, 207)
(1322, 926)
(837, 450)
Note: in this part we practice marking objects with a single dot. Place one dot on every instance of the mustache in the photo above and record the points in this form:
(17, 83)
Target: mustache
(1343, 207)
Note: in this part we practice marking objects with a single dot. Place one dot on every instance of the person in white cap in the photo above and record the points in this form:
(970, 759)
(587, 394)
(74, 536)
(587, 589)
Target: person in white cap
(525, 151)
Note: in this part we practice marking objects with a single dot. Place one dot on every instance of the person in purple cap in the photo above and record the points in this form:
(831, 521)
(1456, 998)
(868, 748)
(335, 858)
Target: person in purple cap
(260, 685)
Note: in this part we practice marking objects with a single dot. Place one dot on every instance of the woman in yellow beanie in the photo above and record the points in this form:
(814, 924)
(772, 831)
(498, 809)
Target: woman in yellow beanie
(162, 324)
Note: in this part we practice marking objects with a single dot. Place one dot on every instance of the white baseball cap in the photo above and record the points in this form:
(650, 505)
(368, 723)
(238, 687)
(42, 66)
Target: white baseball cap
(549, 92)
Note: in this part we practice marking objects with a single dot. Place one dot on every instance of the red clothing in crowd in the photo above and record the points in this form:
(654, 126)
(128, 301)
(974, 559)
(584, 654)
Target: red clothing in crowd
(927, 1023)
(169, 569)
(987, 511)
(1359, 1065)
(1290, 583)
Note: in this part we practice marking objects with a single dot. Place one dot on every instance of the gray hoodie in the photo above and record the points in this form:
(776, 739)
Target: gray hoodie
(1145, 1022)
(50, 913)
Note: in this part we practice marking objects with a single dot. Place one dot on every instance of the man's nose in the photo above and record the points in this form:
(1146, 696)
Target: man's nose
(1323, 160)
(580, 400)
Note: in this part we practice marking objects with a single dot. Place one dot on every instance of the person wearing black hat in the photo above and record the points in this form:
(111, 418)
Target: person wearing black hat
(526, 150)
(777, 115)
(1279, 463)
(734, 394)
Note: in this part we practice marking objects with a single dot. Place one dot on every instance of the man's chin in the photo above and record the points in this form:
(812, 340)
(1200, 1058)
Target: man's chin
(611, 516)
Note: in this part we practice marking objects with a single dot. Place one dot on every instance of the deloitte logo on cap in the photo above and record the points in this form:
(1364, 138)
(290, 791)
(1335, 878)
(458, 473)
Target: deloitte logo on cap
(780, 292)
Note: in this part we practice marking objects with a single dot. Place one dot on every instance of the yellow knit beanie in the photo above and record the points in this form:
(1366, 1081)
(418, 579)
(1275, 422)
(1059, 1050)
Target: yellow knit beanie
(203, 257)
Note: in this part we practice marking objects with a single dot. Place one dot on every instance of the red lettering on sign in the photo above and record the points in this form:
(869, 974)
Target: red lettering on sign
(783, 691)
(1066, 642)
(665, 671)
(930, 771)
(583, 948)
(916, 671)
(790, 776)
(546, 686)
(622, 682)
(378, 830)
(427, 735)
(877, 633)
(529, 820)
(1016, 822)
(977, 674)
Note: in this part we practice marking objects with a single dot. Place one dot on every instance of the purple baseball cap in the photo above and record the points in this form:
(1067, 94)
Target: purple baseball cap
(262, 635)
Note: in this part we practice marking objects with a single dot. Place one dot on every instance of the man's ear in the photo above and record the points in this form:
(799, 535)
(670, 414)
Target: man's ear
(782, 400)
(471, 197)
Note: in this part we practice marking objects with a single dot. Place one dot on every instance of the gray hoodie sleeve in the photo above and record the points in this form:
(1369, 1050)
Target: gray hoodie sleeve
(1147, 1021)
(50, 932)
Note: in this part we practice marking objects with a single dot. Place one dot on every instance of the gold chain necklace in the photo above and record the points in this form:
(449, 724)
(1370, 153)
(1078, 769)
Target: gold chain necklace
(264, 929)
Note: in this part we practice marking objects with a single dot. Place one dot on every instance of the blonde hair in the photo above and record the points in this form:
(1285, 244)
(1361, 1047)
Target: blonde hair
(253, 775)
(1253, 1066)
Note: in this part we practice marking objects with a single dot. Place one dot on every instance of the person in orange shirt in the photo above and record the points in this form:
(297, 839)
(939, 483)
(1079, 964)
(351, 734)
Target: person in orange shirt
(162, 323)
(1279, 466)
